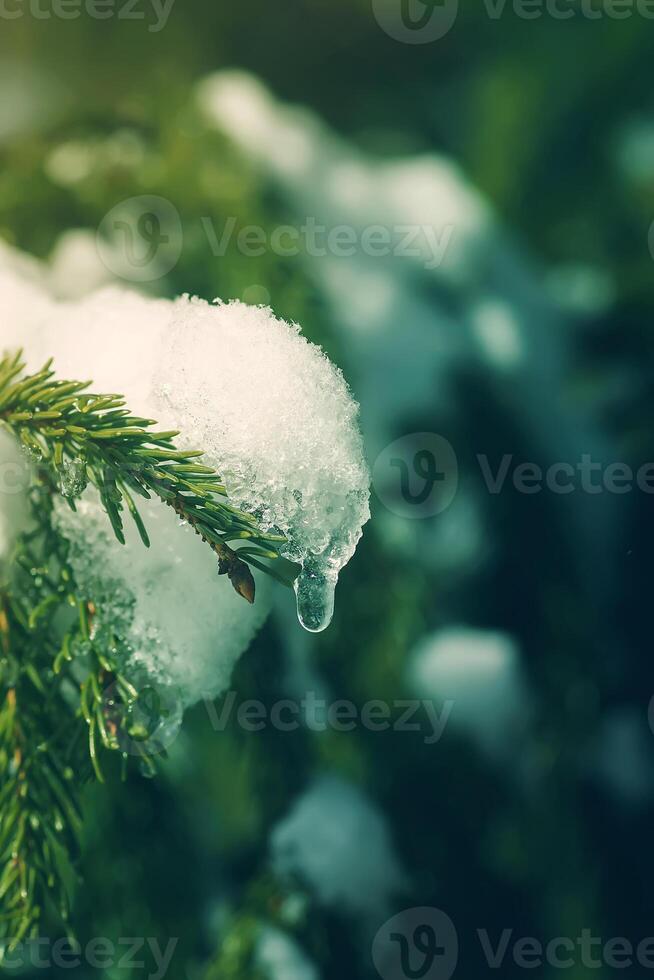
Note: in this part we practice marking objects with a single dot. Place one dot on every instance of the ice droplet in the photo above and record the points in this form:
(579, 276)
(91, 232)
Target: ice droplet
(72, 478)
(314, 592)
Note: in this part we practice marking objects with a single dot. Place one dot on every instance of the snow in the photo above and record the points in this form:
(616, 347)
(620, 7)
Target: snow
(338, 843)
(183, 627)
(620, 758)
(272, 414)
(75, 266)
(278, 957)
(480, 671)
(278, 422)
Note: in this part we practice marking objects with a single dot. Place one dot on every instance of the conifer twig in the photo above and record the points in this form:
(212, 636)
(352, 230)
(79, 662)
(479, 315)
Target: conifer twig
(97, 438)
(58, 679)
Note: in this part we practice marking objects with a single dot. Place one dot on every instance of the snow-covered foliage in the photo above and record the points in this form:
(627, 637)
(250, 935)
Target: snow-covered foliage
(277, 421)
(272, 414)
(184, 627)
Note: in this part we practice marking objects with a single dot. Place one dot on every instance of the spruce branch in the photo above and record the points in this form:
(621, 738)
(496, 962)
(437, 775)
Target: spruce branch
(64, 703)
(66, 707)
(85, 437)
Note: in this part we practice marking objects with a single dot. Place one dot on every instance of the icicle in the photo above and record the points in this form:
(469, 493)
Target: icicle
(314, 593)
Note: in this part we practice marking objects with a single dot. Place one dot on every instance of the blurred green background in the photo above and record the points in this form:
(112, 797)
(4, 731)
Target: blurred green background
(530, 612)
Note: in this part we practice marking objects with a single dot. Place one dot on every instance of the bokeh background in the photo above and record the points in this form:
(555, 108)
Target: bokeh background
(529, 143)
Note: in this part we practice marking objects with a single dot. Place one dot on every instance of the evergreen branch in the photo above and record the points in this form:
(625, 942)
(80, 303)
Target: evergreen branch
(60, 679)
(38, 756)
(56, 681)
(85, 437)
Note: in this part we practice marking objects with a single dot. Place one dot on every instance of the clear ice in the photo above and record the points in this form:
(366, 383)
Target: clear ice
(315, 590)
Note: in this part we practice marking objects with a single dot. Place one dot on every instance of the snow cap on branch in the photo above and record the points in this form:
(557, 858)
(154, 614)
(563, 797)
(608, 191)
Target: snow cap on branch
(274, 417)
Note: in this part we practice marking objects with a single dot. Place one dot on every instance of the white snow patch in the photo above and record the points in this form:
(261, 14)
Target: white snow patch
(183, 627)
(278, 957)
(278, 422)
(338, 843)
(480, 672)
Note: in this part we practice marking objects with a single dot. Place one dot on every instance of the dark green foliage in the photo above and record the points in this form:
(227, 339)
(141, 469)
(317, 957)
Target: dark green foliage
(64, 702)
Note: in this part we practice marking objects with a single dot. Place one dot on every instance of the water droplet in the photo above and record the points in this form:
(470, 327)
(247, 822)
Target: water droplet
(72, 478)
(314, 593)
